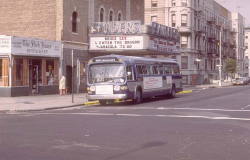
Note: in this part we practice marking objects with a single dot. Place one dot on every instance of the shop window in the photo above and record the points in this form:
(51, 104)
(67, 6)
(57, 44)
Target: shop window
(19, 71)
(74, 22)
(50, 72)
(1, 69)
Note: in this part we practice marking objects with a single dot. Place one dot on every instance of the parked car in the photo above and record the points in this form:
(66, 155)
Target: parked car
(241, 81)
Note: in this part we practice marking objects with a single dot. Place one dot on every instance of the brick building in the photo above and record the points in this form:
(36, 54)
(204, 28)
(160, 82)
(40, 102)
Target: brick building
(67, 22)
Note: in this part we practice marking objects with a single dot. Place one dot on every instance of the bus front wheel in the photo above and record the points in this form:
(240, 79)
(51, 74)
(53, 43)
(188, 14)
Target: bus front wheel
(103, 102)
(173, 92)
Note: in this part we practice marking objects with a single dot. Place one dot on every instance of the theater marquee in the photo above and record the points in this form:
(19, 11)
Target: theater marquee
(117, 43)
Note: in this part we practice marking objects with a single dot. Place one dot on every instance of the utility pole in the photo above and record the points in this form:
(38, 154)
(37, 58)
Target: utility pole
(220, 65)
(72, 83)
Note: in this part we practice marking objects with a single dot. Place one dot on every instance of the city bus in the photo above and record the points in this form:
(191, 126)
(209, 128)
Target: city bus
(113, 77)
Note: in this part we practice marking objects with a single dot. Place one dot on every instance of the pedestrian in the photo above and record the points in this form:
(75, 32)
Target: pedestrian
(62, 85)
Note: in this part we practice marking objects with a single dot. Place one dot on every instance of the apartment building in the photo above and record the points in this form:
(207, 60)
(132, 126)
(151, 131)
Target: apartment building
(199, 23)
(238, 25)
(247, 51)
(61, 21)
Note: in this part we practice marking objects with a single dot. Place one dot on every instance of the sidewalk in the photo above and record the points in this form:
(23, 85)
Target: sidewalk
(205, 86)
(40, 102)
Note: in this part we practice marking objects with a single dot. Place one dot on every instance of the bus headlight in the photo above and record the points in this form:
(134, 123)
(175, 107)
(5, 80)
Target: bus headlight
(117, 88)
(92, 88)
(124, 88)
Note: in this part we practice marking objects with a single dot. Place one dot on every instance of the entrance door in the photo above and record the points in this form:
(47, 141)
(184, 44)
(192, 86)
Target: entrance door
(35, 76)
(69, 78)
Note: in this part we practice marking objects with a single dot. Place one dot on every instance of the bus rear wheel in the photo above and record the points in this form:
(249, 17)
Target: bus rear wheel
(173, 92)
(138, 97)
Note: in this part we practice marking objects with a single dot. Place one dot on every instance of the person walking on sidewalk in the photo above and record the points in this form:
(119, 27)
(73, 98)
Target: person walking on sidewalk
(62, 85)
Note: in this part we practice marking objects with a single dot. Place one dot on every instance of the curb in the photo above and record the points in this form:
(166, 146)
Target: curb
(186, 91)
(91, 103)
(42, 109)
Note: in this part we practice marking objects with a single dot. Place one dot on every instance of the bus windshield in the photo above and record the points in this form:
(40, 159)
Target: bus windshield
(110, 73)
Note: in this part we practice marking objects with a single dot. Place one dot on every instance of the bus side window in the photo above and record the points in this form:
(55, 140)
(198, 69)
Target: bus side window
(130, 73)
(155, 70)
(139, 69)
(144, 70)
(161, 69)
(168, 69)
(176, 69)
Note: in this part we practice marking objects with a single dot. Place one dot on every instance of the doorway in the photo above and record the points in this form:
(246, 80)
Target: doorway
(35, 76)
(69, 78)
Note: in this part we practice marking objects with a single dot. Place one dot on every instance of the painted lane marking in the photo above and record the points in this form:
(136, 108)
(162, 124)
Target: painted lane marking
(163, 108)
(150, 115)
(204, 109)
(247, 106)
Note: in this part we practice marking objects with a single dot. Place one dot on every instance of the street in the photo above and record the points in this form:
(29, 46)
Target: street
(208, 124)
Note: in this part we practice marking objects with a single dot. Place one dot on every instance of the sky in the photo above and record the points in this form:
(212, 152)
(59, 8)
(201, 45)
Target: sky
(242, 6)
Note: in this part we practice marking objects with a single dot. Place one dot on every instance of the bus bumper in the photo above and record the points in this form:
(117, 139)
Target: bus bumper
(107, 97)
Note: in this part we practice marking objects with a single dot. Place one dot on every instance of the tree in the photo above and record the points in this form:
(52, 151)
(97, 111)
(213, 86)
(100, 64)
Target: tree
(230, 67)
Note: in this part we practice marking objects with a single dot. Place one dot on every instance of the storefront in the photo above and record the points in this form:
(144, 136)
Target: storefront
(28, 66)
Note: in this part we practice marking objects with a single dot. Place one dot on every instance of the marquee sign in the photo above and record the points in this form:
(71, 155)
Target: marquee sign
(116, 43)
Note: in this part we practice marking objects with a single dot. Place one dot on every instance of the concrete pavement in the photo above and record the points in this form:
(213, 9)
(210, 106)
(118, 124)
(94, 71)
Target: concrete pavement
(40, 102)
(46, 102)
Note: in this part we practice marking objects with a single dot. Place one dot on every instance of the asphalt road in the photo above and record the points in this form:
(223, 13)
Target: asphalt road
(211, 124)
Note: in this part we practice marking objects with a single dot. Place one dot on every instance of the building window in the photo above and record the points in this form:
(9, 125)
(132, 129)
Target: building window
(173, 18)
(184, 20)
(50, 72)
(74, 22)
(153, 18)
(111, 15)
(1, 69)
(184, 42)
(102, 15)
(184, 62)
(184, 3)
(173, 2)
(19, 69)
(119, 18)
(154, 3)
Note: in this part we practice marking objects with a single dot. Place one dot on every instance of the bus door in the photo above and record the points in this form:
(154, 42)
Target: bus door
(168, 73)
